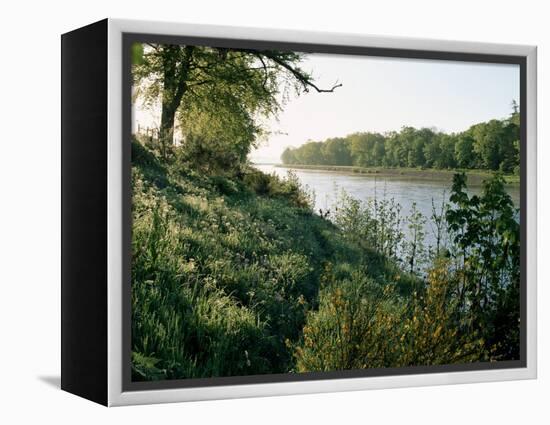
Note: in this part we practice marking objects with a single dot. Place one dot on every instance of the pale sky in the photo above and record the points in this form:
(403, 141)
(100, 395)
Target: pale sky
(381, 94)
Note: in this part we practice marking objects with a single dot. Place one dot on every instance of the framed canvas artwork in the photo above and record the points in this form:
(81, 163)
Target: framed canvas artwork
(251, 212)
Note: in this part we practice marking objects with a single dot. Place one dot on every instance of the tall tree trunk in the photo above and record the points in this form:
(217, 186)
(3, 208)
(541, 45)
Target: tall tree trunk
(166, 134)
(176, 65)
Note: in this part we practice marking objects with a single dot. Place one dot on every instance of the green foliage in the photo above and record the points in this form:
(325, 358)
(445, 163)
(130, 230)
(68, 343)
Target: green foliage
(464, 151)
(289, 188)
(224, 269)
(492, 145)
(436, 329)
(145, 367)
(366, 149)
(466, 310)
(486, 236)
(486, 143)
(336, 152)
(233, 274)
(353, 327)
(183, 325)
(414, 247)
(362, 325)
(375, 224)
(215, 98)
(137, 53)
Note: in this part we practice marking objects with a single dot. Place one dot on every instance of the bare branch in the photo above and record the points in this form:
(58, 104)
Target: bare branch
(153, 46)
(266, 74)
(304, 79)
(201, 83)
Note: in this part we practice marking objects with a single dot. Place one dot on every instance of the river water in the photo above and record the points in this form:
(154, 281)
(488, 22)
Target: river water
(327, 185)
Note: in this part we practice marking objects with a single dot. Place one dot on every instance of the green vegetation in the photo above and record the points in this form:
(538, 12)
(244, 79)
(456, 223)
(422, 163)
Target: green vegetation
(234, 274)
(465, 309)
(226, 268)
(216, 95)
(492, 145)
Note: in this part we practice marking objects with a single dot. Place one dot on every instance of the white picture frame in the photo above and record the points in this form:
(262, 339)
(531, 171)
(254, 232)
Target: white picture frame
(116, 393)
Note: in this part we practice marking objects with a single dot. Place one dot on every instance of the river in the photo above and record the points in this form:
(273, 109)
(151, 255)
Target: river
(327, 184)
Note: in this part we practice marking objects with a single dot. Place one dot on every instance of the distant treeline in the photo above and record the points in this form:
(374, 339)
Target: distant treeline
(492, 145)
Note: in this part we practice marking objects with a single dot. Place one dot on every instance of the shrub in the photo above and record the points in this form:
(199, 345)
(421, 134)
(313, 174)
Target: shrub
(352, 329)
(435, 329)
(486, 235)
(361, 325)
(375, 224)
(259, 182)
(289, 188)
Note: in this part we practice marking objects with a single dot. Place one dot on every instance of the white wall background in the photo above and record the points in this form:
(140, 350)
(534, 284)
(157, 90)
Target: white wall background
(30, 210)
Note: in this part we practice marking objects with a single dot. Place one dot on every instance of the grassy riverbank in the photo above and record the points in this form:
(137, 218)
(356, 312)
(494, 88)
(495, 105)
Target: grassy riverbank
(475, 177)
(226, 270)
(233, 274)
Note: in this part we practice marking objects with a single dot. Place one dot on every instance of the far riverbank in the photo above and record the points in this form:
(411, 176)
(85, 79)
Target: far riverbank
(475, 177)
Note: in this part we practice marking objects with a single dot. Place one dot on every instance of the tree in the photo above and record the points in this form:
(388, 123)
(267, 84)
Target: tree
(515, 108)
(395, 156)
(416, 153)
(184, 75)
(311, 153)
(288, 156)
(432, 152)
(218, 125)
(447, 151)
(487, 139)
(379, 150)
(492, 145)
(336, 152)
(510, 147)
(464, 151)
(360, 149)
